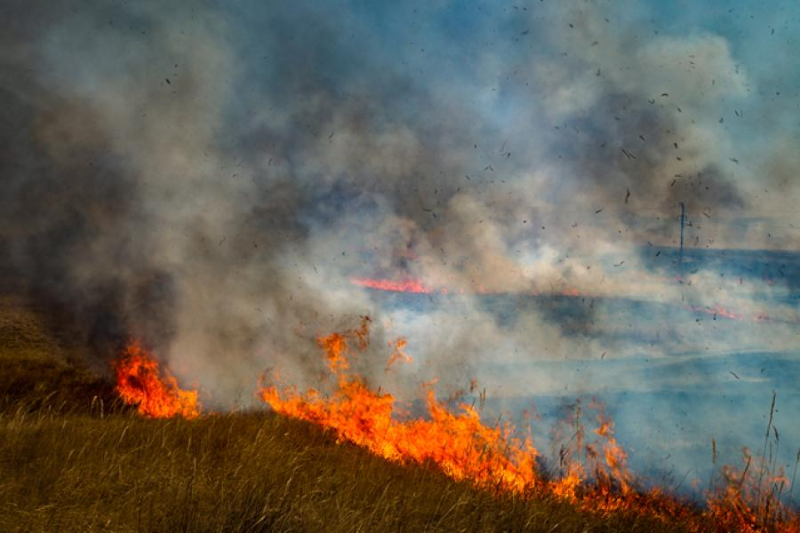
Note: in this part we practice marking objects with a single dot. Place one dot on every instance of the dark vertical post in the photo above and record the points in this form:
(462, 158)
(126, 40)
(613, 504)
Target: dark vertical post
(683, 219)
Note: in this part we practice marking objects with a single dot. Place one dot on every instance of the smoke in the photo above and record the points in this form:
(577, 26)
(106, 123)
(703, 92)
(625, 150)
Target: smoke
(210, 177)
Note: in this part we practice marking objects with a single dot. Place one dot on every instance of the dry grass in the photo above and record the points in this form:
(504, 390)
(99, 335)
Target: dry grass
(73, 460)
(240, 472)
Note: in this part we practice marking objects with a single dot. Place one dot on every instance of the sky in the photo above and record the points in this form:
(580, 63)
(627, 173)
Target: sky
(219, 178)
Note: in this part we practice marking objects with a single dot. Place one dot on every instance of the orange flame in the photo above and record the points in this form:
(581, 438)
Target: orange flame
(459, 444)
(750, 500)
(141, 383)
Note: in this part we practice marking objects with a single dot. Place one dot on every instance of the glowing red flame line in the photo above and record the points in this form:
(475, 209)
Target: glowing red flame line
(393, 286)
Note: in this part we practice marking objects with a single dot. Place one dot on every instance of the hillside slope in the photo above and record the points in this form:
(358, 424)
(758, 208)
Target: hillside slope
(73, 459)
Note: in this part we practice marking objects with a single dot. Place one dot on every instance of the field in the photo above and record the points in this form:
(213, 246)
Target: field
(72, 458)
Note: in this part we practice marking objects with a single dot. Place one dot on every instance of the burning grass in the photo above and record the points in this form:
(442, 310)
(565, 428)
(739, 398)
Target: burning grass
(73, 459)
(84, 463)
(459, 444)
(154, 392)
(498, 460)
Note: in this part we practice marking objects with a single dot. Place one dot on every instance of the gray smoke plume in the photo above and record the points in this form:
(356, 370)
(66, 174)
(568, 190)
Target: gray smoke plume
(210, 177)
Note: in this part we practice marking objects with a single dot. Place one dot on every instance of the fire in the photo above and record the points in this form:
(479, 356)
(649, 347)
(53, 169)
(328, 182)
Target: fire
(417, 287)
(140, 382)
(458, 443)
(717, 311)
(410, 285)
(749, 499)
(496, 458)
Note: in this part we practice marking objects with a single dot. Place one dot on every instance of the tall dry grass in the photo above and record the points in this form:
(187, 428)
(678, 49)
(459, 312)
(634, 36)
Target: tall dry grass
(239, 472)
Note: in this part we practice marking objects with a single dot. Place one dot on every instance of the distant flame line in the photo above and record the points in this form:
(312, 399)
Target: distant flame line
(412, 286)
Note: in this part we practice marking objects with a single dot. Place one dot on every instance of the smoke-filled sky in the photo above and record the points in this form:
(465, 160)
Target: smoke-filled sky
(216, 179)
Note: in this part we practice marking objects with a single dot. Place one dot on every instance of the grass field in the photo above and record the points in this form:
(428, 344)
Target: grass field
(72, 458)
